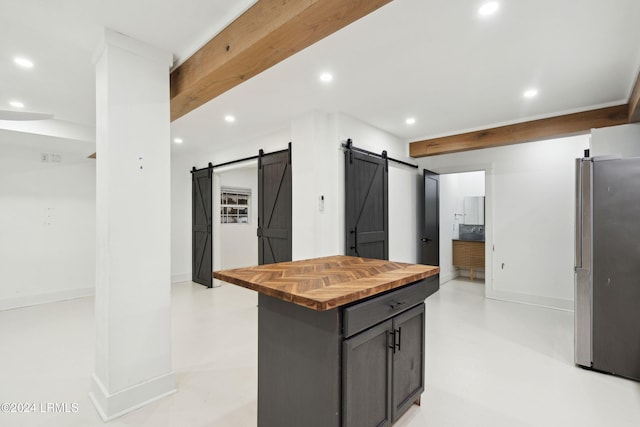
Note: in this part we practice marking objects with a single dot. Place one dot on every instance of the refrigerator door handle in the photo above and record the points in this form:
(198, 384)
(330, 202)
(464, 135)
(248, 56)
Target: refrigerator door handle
(578, 230)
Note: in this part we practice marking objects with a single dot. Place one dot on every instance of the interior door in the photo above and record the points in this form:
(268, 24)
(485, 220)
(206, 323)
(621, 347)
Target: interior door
(274, 207)
(201, 227)
(367, 206)
(430, 239)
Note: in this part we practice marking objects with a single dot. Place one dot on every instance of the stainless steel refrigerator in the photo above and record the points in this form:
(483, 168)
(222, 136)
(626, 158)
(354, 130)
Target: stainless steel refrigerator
(607, 265)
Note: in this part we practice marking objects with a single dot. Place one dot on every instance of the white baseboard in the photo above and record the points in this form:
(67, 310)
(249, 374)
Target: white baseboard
(445, 277)
(183, 277)
(29, 300)
(114, 405)
(26, 301)
(540, 301)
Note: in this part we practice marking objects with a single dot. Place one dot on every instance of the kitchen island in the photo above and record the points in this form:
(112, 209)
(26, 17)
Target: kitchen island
(340, 339)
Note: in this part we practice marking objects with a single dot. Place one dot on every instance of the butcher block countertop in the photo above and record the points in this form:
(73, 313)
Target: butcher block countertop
(325, 283)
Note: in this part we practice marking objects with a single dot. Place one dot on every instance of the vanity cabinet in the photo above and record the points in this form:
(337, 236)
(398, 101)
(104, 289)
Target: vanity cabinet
(468, 254)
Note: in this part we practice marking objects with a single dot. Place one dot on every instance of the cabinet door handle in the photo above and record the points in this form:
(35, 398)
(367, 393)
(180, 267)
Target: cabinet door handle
(397, 304)
(396, 335)
(393, 342)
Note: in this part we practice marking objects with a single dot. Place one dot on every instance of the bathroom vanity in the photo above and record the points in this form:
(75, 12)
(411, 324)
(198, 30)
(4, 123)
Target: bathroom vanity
(468, 254)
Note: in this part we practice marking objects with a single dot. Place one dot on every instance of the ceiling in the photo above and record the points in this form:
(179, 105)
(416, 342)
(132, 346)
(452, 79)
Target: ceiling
(62, 36)
(434, 60)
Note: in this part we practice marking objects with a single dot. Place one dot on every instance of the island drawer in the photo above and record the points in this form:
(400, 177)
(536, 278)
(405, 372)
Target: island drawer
(363, 315)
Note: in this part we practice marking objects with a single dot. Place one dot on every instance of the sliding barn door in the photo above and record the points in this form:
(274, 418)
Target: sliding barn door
(367, 206)
(274, 207)
(201, 235)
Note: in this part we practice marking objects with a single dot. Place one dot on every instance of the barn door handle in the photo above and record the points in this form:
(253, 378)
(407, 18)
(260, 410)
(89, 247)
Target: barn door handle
(399, 335)
(355, 240)
(259, 232)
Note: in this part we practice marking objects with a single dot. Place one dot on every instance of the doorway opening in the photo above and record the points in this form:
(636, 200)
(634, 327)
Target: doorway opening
(235, 216)
(464, 238)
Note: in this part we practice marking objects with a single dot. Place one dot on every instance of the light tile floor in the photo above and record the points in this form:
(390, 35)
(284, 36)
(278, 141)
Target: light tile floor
(489, 363)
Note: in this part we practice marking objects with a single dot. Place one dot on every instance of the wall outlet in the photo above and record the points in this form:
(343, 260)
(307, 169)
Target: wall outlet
(51, 157)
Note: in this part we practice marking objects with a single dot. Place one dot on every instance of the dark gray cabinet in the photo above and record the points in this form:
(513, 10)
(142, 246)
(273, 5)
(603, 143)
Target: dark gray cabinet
(408, 360)
(383, 370)
(367, 365)
(356, 366)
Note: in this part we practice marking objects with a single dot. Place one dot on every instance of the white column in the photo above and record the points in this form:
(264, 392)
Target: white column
(133, 277)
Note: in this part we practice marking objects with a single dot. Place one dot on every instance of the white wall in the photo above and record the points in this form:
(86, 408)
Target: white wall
(453, 189)
(317, 170)
(47, 225)
(623, 140)
(529, 217)
(405, 186)
(181, 218)
(448, 224)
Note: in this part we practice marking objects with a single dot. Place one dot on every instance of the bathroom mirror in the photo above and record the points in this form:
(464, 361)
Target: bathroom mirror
(473, 210)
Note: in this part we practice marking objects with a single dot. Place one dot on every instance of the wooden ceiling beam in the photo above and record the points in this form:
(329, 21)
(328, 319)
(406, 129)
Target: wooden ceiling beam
(266, 34)
(553, 127)
(634, 102)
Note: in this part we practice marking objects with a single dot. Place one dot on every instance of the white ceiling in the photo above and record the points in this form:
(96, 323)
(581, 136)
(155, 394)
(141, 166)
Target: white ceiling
(435, 60)
(61, 37)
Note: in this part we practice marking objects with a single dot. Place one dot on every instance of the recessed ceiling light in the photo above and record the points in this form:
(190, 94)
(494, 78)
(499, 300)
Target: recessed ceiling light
(229, 118)
(16, 104)
(530, 93)
(178, 140)
(326, 77)
(410, 121)
(23, 62)
(489, 8)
